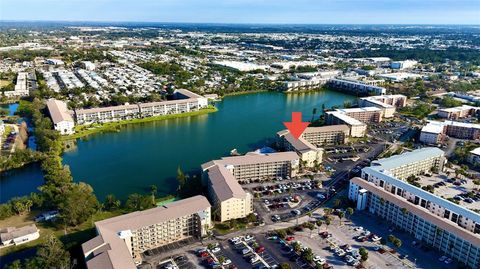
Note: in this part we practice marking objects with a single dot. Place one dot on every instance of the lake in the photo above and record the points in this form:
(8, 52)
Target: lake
(149, 154)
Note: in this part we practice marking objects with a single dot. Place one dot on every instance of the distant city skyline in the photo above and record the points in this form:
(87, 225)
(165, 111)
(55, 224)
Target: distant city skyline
(247, 11)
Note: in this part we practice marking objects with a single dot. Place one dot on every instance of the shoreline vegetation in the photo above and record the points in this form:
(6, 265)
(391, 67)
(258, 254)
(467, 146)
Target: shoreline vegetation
(86, 130)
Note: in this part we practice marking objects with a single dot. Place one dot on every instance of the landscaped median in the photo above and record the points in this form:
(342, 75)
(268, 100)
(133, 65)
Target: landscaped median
(85, 130)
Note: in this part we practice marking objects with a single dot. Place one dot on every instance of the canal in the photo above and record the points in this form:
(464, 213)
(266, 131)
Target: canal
(149, 154)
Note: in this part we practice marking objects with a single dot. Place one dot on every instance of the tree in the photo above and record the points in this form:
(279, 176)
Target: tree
(350, 211)
(296, 246)
(282, 234)
(111, 202)
(307, 254)
(137, 202)
(404, 211)
(153, 190)
(284, 265)
(363, 253)
(16, 264)
(78, 204)
(341, 214)
(328, 221)
(52, 255)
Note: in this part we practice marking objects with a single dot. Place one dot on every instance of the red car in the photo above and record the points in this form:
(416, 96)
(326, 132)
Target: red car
(203, 254)
(233, 266)
(260, 249)
(290, 238)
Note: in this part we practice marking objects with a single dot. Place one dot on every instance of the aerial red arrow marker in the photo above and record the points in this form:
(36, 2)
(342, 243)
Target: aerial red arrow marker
(296, 126)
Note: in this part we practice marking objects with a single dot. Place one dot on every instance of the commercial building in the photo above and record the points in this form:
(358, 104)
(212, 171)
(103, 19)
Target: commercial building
(357, 128)
(403, 64)
(11, 236)
(434, 132)
(417, 162)
(387, 103)
(122, 239)
(61, 117)
(459, 112)
(228, 198)
(185, 101)
(450, 228)
(309, 154)
(357, 86)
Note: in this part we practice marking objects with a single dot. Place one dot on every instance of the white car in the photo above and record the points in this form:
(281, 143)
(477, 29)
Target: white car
(249, 238)
(254, 259)
(227, 262)
(317, 258)
(448, 261)
(321, 261)
(215, 250)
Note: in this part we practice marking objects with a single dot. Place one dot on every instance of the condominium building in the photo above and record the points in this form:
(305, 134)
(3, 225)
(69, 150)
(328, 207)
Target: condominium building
(458, 112)
(185, 101)
(309, 154)
(364, 114)
(434, 132)
(357, 86)
(450, 228)
(228, 198)
(303, 84)
(417, 162)
(357, 128)
(61, 116)
(258, 166)
(387, 103)
(327, 135)
(122, 239)
(24, 82)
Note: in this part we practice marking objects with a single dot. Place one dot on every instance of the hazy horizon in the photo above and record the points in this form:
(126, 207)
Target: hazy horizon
(355, 12)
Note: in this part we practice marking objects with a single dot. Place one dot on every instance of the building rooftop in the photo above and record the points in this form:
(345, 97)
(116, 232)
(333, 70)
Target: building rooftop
(360, 109)
(10, 233)
(224, 184)
(256, 158)
(405, 158)
(345, 118)
(476, 151)
(300, 144)
(433, 127)
(58, 111)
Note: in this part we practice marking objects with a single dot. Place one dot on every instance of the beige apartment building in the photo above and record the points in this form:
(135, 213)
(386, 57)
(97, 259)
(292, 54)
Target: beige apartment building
(387, 103)
(228, 198)
(186, 101)
(327, 135)
(364, 114)
(309, 154)
(458, 112)
(417, 162)
(435, 132)
(122, 239)
(357, 128)
(258, 166)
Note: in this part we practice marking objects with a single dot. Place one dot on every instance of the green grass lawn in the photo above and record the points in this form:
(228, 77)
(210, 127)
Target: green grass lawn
(86, 130)
(70, 237)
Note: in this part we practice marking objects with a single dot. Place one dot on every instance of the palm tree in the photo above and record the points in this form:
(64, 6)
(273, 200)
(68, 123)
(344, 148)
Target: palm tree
(313, 114)
(153, 191)
(328, 221)
(341, 214)
(349, 211)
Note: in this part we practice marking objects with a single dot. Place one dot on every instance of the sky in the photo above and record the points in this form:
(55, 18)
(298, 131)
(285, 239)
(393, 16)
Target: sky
(248, 11)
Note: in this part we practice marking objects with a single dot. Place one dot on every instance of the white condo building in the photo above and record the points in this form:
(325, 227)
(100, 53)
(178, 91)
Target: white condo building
(448, 227)
(61, 117)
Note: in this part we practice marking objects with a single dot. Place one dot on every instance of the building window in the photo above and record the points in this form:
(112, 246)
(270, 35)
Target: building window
(381, 183)
(446, 214)
(423, 203)
(454, 217)
(417, 200)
